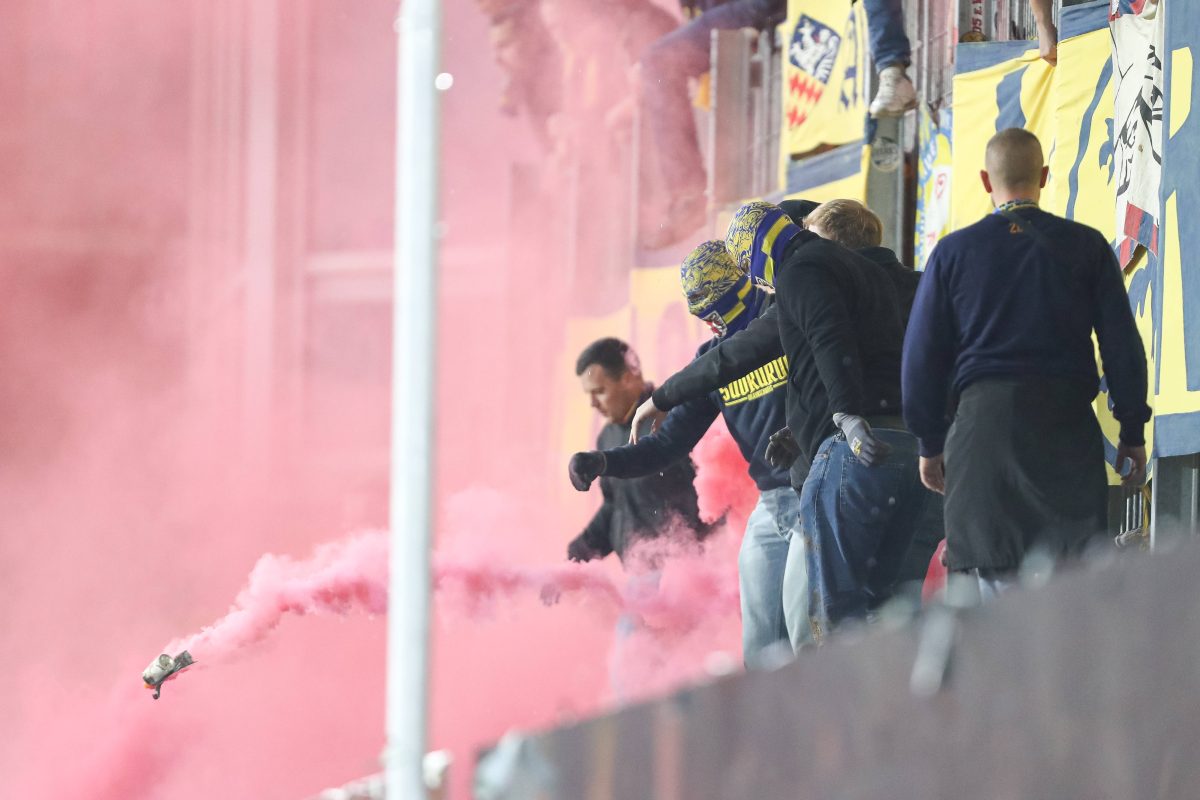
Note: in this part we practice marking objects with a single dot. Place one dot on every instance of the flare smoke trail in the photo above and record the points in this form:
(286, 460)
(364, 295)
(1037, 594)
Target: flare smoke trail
(349, 576)
(340, 577)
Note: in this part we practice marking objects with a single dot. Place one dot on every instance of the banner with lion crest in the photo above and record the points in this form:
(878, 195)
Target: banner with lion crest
(824, 75)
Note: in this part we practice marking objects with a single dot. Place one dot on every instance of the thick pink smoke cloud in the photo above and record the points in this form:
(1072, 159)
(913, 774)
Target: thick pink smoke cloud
(138, 493)
(692, 613)
(347, 576)
(125, 751)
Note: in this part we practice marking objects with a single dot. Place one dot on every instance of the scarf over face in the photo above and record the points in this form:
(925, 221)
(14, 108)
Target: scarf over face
(717, 291)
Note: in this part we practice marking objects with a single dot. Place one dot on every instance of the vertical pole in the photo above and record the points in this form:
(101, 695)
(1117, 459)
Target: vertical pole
(414, 298)
(261, 257)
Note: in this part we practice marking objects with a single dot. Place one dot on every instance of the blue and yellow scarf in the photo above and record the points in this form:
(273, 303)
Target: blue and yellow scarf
(758, 234)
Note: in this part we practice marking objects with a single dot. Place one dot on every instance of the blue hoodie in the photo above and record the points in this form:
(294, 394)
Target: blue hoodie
(754, 407)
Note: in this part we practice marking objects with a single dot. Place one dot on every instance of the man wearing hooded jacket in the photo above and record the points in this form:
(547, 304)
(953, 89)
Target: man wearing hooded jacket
(837, 320)
(753, 406)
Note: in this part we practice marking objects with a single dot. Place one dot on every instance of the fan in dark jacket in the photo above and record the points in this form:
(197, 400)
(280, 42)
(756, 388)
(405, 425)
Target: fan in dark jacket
(638, 508)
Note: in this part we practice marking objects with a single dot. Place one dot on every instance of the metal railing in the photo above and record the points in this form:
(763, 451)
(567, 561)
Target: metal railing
(1133, 524)
(931, 26)
(745, 115)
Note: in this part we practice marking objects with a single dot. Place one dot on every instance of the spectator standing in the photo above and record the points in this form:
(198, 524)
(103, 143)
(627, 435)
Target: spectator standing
(639, 508)
(853, 225)
(753, 406)
(840, 327)
(1003, 321)
(892, 53)
(530, 61)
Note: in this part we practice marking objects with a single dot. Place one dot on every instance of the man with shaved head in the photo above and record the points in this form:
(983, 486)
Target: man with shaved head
(1002, 326)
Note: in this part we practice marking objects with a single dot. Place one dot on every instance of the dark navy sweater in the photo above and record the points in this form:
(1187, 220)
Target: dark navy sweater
(754, 406)
(1000, 302)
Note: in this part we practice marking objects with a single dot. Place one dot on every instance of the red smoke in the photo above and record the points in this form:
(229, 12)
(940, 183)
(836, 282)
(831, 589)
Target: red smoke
(723, 486)
(196, 349)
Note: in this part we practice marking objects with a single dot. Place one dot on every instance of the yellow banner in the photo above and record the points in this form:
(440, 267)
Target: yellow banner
(1012, 93)
(824, 75)
(1081, 154)
(1176, 381)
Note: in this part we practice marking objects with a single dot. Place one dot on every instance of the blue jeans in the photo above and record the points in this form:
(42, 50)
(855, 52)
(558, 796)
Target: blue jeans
(666, 66)
(764, 574)
(796, 592)
(858, 524)
(885, 26)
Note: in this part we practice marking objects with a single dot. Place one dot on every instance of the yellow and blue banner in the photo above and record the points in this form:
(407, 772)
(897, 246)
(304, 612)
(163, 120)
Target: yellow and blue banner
(934, 167)
(997, 85)
(1174, 284)
(824, 75)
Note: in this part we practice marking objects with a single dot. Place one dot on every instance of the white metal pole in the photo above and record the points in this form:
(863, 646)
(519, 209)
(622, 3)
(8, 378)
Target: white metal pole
(414, 298)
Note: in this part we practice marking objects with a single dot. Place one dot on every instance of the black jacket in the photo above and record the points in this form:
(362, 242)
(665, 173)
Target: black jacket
(837, 320)
(839, 323)
(905, 279)
(641, 508)
(754, 406)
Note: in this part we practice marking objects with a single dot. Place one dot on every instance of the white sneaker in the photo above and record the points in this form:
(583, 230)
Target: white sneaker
(896, 93)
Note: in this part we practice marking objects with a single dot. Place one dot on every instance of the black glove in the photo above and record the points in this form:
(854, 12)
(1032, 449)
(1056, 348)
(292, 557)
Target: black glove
(585, 468)
(782, 450)
(578, 550)
(865, 446)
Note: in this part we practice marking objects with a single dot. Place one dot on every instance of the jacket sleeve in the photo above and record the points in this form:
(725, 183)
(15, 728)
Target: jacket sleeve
(674, 439)
(596, 534)
(809, 297)
(1121, 350)
(928, 360)
(731, 359)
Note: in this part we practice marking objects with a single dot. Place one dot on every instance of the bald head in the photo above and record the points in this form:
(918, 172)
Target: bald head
(1014, 165)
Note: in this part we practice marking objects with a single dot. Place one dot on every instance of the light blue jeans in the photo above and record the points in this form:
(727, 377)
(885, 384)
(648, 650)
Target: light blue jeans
(774, 587)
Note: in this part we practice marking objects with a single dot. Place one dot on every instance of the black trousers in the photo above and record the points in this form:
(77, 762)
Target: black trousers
(1024, 469)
